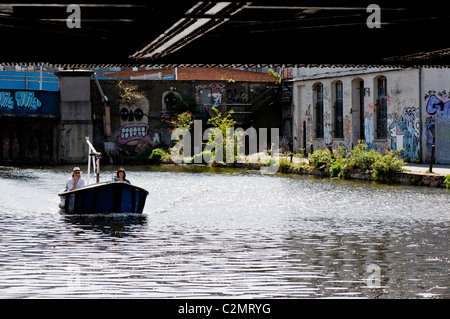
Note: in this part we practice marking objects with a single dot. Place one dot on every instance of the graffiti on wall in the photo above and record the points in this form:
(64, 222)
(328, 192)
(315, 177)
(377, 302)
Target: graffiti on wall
(404, 132)
(169, 99)
(327, 129)
(437, 103)
(19, 99)
(133, 124)
(369, 130)
(441, 104)
(236, 96)
(216, 97)
(6, 100)
(213, 98)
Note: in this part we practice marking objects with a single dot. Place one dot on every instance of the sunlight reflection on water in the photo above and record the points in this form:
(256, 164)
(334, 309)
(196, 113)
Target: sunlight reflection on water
(224, 233)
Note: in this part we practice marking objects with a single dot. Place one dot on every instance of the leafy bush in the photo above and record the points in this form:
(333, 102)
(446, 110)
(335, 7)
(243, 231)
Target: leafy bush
(386, 167)
(151, 156)
(143, 156)
(339, 163)
(182, 120)
(359, 159)
(320, 159)
(329, 161)
(447, 181)
(284, 164)
(157, 155)
(337, 167)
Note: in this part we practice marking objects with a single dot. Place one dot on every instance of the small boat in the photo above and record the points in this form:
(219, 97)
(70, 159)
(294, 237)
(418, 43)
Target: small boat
(105, 197)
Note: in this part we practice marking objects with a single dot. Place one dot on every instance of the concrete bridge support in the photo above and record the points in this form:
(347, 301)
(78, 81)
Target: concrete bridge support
(76, 115)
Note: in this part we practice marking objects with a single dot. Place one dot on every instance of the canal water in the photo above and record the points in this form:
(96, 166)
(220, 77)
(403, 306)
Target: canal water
(224, 233)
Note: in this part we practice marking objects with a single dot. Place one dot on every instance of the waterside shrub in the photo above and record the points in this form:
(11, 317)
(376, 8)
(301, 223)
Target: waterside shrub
(152, 155)
(386, 167)
(340, 163)
(143, 156)
(447, 181)
(158, 155)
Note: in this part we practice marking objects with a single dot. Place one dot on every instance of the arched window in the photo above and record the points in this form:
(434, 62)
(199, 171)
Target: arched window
(338, 110)
(381, 107)
(318, 109)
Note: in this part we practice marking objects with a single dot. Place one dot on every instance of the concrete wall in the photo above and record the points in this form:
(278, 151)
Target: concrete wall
(401, 97)
(76, 115)
(416, 100)
(435, 99)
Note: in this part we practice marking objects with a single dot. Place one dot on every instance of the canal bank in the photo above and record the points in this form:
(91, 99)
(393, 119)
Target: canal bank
(411, 174)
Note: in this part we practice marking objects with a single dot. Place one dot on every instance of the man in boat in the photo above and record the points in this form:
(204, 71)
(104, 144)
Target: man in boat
(76, 181)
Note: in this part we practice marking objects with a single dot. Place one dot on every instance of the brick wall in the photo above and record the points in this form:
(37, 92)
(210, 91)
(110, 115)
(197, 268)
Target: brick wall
(194, 73)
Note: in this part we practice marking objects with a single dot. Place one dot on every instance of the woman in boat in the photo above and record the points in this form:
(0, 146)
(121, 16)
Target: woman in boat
(76, 181)
(121, 176)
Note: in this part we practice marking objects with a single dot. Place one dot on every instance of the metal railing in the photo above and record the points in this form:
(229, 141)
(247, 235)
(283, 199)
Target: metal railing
(28, 81)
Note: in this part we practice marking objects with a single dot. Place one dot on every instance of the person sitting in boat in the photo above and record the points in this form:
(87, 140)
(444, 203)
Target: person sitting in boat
(76, 181)
(121, 176)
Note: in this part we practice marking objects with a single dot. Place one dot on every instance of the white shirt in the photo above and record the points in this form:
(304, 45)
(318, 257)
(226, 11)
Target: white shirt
(71, 181)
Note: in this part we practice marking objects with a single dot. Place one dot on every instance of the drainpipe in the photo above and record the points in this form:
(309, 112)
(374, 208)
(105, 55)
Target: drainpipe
(40, 79)
(106, 110)
(420, 116)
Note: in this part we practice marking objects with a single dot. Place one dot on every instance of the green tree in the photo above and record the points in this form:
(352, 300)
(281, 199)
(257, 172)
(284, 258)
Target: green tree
(223, 127)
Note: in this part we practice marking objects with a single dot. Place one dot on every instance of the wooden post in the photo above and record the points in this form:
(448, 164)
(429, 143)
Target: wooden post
(432, 159)
(304, 138)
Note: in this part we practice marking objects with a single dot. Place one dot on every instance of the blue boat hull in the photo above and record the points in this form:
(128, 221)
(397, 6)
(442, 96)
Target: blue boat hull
(104, 198)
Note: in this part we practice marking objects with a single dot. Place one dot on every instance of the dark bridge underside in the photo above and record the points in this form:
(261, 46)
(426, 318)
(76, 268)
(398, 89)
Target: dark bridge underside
(213, 33)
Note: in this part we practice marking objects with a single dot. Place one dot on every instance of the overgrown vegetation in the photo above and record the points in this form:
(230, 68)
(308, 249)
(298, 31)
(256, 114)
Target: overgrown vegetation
(152, 155)
(143, 156)
(128, 93)
(339, 163)
(386, 167)
(182, 120)
(447, 181)
(276, 76)
(222, 123)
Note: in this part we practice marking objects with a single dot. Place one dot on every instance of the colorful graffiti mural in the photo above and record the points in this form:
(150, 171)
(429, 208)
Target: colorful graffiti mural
(441, 104)
(133, 124)
(404, 132)
(437, 125)
(435, 105)
(29, 101)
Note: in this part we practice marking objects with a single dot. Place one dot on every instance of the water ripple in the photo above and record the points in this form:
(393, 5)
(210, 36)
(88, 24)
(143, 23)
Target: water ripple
(225, 234)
